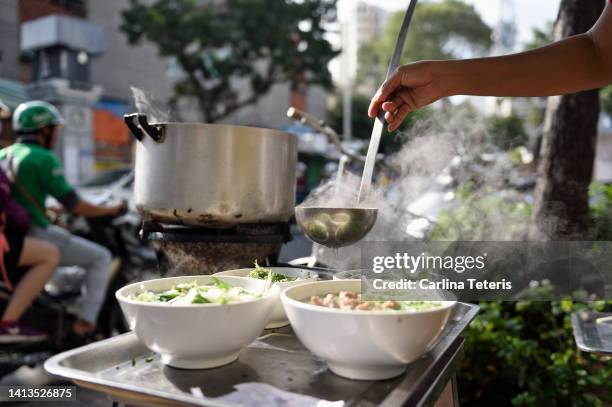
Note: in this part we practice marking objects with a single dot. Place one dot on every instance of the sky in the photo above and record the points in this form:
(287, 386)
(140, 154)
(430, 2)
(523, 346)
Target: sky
(528, 13)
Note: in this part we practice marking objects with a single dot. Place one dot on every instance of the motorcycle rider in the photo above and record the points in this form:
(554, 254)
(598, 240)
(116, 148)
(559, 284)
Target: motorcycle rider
(37, 173)
(26, 263)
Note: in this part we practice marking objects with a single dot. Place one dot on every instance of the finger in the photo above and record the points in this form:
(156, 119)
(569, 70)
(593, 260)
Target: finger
(393, 107)
(389, 117)
(399, 117)
(395, 103)
(383, 93)
(390, 106)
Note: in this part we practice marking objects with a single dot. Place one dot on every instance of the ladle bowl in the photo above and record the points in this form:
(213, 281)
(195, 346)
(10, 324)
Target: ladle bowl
(335, 227)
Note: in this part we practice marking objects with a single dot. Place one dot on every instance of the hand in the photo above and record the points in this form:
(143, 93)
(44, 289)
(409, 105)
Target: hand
(120, 209)
(56, 210)
(408, 89)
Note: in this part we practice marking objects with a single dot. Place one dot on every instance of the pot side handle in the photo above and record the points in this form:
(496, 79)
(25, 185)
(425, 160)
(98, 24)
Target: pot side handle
(143, 127)
(129, 121)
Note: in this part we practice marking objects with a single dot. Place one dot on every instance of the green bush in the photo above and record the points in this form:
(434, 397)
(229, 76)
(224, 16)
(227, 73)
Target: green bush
(524, 354)
(506, 133)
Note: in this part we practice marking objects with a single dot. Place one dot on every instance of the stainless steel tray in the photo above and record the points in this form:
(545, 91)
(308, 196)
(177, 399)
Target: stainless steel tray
(591, 335)
(126, 370)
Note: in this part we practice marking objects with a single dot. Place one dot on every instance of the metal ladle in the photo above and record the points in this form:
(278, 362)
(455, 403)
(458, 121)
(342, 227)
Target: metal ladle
(335, 227)
(338, 227)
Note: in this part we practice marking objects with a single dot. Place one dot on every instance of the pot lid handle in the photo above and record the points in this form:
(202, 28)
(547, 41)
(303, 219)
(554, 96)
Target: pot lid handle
(143, 127)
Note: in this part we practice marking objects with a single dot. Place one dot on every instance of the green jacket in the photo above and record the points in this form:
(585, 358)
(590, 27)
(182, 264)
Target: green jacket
(39, 172)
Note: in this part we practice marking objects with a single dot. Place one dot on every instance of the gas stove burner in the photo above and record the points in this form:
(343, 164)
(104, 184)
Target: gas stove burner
(273, 233)
(190, 250)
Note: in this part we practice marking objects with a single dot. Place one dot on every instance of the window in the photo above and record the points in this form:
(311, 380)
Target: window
(75, 6)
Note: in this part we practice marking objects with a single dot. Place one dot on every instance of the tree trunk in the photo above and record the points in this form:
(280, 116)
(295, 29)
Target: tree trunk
(568, 147)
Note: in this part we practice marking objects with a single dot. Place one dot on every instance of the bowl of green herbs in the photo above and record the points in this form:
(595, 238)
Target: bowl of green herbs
(284, 277)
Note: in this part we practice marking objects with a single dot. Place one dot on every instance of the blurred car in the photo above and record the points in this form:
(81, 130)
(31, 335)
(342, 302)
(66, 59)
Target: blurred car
(109, 186)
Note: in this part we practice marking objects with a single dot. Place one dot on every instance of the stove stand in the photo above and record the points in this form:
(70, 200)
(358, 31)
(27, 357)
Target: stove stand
(197, 250)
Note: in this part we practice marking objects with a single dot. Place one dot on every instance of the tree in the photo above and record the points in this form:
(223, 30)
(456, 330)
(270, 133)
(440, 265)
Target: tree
(561, 207)
(263, 42)
(506, 133)
(541, 37)
(439, 30)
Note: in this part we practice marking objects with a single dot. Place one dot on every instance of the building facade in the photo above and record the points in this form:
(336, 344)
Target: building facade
(360, 22)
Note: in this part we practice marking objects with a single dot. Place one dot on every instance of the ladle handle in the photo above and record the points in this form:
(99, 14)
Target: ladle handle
(401, 38)
(399, 47)
(379, 122)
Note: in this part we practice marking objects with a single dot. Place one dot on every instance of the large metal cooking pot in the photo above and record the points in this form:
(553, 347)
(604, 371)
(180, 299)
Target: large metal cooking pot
(212, 175)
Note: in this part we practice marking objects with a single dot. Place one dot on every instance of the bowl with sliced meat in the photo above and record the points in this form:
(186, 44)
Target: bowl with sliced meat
(363, 340)
(198, 322)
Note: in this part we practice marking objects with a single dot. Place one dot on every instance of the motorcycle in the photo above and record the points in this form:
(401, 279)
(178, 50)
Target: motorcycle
(54, 310)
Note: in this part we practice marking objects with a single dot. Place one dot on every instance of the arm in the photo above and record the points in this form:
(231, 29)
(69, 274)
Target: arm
(61, 190)
(92, 211)
(574, 64)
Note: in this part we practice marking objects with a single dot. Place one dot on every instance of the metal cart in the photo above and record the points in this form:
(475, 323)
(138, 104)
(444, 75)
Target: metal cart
(593, 331)
(131, 374)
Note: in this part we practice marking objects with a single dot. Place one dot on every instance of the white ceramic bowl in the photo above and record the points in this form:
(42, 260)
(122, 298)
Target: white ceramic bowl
(197, 336)
(278, 318)
(362, 345)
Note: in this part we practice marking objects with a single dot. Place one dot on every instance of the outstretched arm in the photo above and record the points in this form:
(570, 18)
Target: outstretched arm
(88, 210)
(574, 64)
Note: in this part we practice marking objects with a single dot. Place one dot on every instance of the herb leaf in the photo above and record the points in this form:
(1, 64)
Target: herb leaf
(221, 284)
(200, 300)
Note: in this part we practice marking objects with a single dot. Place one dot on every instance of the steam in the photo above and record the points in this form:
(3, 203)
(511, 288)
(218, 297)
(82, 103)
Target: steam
(147, 105)
(447, 148)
